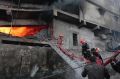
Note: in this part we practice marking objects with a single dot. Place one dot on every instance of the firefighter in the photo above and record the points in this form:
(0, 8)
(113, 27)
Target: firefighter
(95, 52)
(85, 49)
(116, 65)
(95, 71)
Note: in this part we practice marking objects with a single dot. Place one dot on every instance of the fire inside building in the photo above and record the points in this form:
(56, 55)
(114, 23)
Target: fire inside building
(56, 39)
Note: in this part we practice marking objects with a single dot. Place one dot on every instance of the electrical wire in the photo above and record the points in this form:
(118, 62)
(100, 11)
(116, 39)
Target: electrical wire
(11, 25)
(11, 20)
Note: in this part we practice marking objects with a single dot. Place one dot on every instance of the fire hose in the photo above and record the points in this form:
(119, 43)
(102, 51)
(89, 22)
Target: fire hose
(111, 58)
(75, 57)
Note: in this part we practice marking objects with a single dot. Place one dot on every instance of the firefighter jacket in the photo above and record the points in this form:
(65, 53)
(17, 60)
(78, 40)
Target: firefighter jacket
(95, 71)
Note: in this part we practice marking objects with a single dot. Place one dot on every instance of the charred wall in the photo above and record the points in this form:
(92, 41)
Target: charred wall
(18, 61)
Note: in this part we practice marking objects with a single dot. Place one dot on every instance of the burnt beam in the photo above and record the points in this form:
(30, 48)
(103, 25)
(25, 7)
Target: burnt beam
(25, 43)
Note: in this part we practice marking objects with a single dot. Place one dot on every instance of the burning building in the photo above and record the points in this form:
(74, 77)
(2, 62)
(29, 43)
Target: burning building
(39, 39)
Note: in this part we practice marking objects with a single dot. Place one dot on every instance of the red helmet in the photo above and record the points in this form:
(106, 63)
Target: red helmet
(97, 49)
(61, 34)
(82, 41)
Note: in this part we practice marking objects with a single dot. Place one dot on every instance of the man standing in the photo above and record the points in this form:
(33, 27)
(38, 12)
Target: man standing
(95, 71)
(85, 49)
(95, 53)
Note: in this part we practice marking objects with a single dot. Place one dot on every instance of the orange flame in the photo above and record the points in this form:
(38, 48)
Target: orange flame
(22, 30)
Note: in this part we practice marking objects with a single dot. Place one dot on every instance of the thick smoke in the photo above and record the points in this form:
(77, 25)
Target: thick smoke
(71, 6)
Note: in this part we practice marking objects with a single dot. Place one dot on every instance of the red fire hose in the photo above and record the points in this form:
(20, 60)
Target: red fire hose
(111, 58)
(65, 51)
(75, 57)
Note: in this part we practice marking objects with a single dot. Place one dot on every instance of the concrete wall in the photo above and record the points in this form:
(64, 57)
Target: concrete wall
(67, 29)
(60, 27)
(16, 57)
(112, 5)
(92, 13)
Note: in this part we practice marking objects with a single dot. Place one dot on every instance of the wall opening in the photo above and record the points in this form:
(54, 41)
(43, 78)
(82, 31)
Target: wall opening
(75, 39)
